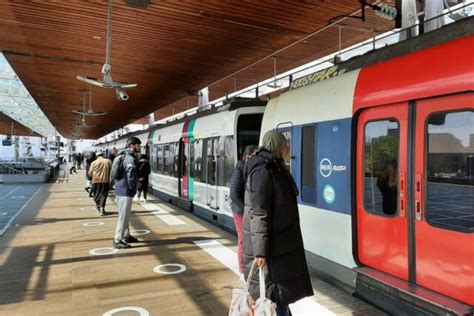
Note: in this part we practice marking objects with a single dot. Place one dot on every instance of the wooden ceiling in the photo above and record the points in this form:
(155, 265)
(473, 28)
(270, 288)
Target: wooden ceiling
(171, 49)
(7, 125)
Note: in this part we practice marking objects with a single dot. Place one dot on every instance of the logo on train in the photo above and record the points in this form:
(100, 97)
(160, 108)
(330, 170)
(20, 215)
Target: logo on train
(326, 167)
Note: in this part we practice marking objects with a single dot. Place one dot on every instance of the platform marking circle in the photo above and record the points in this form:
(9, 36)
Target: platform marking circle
(4, 213)
(93, 224)
(139, 310)
(139, 232)
(18, 197)
(181, 268)
(103, 251)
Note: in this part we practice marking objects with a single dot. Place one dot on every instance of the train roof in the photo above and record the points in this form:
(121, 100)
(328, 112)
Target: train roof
(447, 33)
(229, 105)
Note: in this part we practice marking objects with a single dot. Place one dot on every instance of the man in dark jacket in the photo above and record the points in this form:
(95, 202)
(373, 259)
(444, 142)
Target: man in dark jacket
(237, 191)
(125, 190)
(272, 234)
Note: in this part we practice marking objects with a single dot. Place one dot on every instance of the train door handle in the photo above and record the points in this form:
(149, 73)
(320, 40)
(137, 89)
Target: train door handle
(418, 197)
(403, 212)
(418, 211)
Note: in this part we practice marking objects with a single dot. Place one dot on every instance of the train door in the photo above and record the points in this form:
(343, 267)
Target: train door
(212, 172)
(444, 195)
(415, 205)
(183, 177)
(381, 195)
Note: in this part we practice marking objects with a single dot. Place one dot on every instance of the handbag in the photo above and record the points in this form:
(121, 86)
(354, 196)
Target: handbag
(242, 303)
(263, 306)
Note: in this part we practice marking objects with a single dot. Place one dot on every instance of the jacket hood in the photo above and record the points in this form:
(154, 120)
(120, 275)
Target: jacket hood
(262, 157)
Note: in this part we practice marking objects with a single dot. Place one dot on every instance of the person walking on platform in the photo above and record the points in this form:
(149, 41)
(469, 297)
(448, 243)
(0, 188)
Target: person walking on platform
(144, 171)
(73, 167)
(272, 233)
(89, 187)
(237, 191)
(126, 182)
(100, 173)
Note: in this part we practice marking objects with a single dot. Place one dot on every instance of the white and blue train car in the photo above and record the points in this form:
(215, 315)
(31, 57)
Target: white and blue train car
(193, 158)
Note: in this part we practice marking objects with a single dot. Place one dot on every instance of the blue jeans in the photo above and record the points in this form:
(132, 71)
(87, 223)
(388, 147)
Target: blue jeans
(283, 311)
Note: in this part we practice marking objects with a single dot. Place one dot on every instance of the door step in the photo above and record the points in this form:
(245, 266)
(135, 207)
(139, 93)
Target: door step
(399, 297)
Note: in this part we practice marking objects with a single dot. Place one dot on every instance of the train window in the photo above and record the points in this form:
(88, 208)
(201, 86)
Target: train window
(196, 160)
(170, 160)
(450, 171)
(166, 159)
(229, 159)
(248, 130)
(381, 152)
(288, 136)
(159, 155)
(153, 158)
(212, 155)
(308, 157)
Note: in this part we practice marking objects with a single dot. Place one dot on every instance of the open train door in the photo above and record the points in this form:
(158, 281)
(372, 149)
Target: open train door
(444, 195)
(183, 177)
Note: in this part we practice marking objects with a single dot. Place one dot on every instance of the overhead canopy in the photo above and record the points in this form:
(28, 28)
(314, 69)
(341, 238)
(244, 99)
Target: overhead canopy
(9, 126)
(171, 49)
(17, 103)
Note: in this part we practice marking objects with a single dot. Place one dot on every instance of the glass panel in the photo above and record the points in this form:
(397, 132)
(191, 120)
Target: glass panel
(229, 159)
(248, 131)
(288, 137)
(308, 153)
(381, 152)
(166, 152)
(159, 154)
(211, 163)
(196, 168)
(175, 159)
(450, 171)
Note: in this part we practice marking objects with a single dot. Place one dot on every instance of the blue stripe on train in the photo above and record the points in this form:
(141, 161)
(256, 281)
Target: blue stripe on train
(332, 166)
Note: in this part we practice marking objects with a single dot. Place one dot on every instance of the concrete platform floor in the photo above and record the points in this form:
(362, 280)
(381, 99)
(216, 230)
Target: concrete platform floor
(47, 267)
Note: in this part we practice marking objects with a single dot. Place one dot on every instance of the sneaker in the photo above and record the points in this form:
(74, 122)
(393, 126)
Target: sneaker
(135, 199)
(104, 213)
(120, 245)
(130, 239)
(98, 210)
(87, 189)
(142, 200)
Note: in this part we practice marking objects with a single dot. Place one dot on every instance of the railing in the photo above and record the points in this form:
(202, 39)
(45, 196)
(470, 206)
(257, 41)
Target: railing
(6, 169)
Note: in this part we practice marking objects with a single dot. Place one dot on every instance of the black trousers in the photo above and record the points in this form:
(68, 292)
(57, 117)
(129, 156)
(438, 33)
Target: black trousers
(101, 191)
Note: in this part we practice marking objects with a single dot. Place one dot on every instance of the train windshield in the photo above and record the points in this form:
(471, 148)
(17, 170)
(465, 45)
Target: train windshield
(248, 131)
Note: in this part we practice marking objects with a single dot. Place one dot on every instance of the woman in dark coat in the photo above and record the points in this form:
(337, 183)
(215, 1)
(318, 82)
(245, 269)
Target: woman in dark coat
(237, 191)
(144, 171)
(272, 234)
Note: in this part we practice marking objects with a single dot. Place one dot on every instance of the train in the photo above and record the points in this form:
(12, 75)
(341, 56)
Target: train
(382, 152)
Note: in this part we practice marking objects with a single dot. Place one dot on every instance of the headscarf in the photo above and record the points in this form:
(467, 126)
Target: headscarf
(275, 142)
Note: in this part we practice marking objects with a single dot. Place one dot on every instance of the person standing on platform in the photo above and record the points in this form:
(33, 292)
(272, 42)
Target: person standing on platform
(126, 182)
(237, 191)
(144, 171)
(100, 173)
(272, 233)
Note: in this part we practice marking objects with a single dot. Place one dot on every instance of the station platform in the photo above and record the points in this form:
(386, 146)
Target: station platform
(56, 259)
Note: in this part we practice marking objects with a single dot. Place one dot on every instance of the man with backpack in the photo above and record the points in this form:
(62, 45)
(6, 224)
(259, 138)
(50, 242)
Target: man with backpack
(124, 173)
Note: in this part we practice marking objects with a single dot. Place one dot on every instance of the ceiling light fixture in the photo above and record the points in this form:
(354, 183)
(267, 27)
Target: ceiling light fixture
(107, 81)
